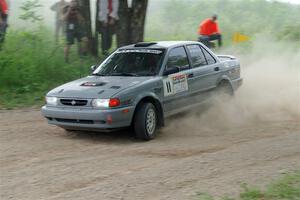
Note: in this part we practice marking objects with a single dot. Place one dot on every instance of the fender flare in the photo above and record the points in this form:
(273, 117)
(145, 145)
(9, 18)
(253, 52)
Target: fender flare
(227, 79)
(152, 98)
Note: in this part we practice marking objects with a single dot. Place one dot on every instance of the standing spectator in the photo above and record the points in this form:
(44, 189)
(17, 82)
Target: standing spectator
(209, 31)
(107, 16)
(58, 8)
(3, 20)
(75, 28)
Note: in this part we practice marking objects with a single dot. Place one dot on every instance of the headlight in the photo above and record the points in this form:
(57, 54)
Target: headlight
(105, 103)
(51, 101)
(100, 103)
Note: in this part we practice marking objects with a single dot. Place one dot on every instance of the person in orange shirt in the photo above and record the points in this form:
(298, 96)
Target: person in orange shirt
(209, 31)
(3, 20)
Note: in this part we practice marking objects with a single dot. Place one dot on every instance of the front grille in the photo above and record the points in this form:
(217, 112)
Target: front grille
(73, 102)
(75, 121)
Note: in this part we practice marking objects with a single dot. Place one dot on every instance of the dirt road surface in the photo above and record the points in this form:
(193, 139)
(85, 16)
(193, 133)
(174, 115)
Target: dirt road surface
(252, 138)
(39, 161)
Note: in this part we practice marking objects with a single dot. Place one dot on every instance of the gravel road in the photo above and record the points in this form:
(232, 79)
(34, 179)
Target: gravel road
(39, 161)
(252, 138)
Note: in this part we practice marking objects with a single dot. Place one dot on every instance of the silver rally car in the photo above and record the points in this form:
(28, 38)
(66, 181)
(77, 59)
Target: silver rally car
(141, 84)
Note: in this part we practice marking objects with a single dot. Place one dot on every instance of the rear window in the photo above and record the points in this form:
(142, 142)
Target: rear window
(178, 58)
(197, 55)
(210, 59)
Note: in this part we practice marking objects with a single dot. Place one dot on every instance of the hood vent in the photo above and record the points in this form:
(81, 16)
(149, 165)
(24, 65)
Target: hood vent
(115, 87)
(101, 91)
(93, 84)
(60, 91)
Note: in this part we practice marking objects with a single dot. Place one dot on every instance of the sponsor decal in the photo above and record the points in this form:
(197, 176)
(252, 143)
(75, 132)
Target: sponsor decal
(180, 83)
(153, 51)
(175, 83)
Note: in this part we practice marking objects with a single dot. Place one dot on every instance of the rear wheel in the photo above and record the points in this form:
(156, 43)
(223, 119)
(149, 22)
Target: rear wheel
(145, 122)
(225, 89)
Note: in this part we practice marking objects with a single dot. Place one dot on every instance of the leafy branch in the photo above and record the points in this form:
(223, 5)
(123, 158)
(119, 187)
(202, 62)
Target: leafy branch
(29, 9)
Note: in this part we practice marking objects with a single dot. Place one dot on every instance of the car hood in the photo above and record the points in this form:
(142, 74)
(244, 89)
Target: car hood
(96, 87)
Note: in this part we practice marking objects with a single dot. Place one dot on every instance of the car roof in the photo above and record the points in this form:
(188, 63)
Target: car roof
(159, 44)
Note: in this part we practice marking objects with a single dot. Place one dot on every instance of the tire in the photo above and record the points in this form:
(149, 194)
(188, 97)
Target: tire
(145, 122)
(225, 89)
(68, 130)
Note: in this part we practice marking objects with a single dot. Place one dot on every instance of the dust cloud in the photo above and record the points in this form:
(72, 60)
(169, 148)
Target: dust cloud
(270, 91)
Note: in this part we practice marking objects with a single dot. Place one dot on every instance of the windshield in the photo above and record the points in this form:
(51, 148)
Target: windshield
(132, 62)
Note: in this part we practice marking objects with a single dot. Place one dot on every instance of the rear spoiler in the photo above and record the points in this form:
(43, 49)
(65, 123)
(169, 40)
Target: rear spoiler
(226, 57)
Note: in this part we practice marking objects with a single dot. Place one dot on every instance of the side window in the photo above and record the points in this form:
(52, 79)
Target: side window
(178, 58)
(197, 56)
(209, 58)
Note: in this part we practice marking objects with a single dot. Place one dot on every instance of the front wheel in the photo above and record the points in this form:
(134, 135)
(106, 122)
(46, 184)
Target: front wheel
(68, 130)
(145, 122)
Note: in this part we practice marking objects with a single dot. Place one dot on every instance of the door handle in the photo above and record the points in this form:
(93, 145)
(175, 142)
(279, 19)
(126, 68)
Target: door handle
(190, 75)
(217, 69)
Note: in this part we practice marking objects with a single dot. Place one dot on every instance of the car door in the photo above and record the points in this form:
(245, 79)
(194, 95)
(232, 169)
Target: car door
(176, 87)
(205, 70)
(215, 67)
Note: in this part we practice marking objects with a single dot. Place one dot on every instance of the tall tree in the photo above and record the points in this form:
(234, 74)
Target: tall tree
(130, 26)
(132, 22)
(93, 39)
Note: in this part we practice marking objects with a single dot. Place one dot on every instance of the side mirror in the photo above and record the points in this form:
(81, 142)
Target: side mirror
(93, 68)
(171, 70)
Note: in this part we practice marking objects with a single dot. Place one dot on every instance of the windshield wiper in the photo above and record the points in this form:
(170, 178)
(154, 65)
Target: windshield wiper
(97, 74)
(123, 74)
(147, 74)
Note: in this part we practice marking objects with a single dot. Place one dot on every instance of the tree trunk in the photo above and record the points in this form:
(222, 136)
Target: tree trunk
(137, 24)
(123, 35)
(86, 12)
(132, 22)
(96, 41)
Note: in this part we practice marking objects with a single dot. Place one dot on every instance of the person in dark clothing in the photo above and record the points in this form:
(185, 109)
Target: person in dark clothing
(3, 20)
(107, 18)
(74, 23)
(209, 31)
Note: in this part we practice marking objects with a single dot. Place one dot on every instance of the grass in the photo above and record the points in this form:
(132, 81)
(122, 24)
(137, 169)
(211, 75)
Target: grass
(31, 64)
(286, 188)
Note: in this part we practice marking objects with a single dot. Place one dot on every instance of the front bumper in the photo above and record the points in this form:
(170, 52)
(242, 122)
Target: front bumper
(88, 118)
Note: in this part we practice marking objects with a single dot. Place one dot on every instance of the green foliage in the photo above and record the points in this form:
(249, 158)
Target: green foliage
(179, 20)
(29, 9)
(290, 33)
(31, 64)
(286, 188)
(204, 196)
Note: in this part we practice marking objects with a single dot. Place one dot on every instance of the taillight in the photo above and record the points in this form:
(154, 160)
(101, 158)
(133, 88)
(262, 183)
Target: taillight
(114, 102)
